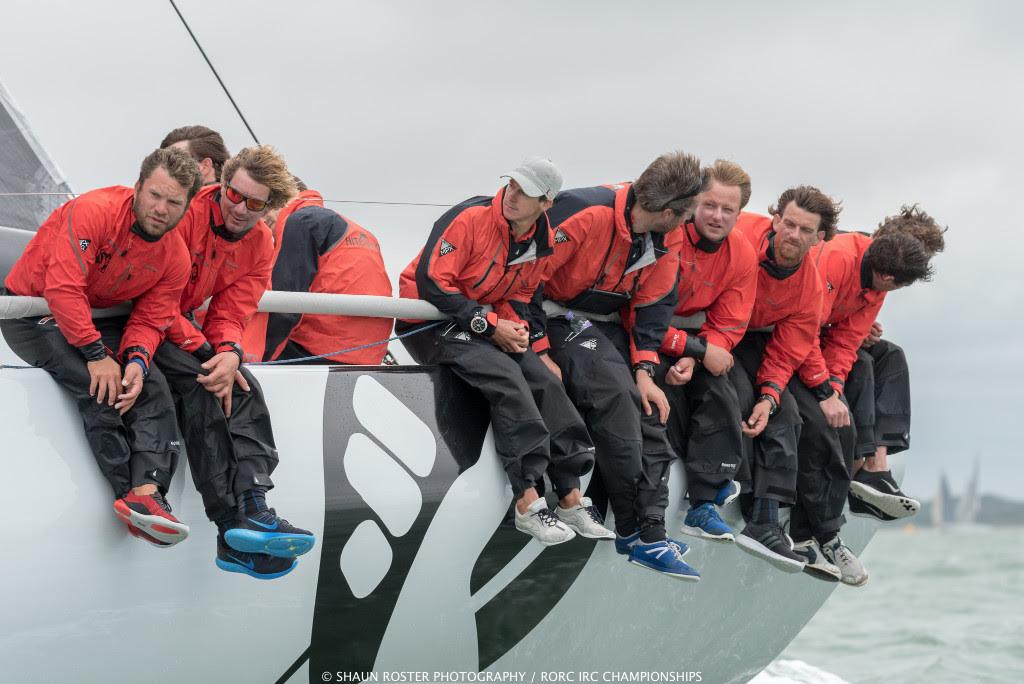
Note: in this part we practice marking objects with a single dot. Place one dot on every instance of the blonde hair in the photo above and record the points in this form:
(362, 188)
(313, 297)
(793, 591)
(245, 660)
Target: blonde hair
(266, 167)
(731, 174)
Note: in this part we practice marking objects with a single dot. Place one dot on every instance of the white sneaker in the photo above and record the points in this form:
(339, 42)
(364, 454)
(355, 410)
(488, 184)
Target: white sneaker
(585, 520)
(851, 569)
(541, 524)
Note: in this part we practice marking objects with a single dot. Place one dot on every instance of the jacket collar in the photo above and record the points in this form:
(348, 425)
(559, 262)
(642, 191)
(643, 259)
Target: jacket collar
(768, 262)
(699, 241)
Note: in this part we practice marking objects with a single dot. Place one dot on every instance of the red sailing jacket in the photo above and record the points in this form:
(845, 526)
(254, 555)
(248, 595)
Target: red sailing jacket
(234, 271)
(717, 278)
(849, 306)
(788, 299)
(472, 258)
(88, 253)
(318, 250)
(595, 248)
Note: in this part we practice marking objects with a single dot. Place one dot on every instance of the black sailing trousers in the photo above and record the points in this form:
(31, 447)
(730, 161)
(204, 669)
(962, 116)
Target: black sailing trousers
(227, 456)
(769, 466)
(825, 462)
(536, 428)
(140, 447)
(633, 451)
(878, 389)
(704, 429)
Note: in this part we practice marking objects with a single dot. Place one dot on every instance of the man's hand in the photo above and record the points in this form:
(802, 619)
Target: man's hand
(651, 394)
(717, 360)
(758, 420)
(228, 392)
(222, 368)
(510, 336)
(874, 335)
(681, 372)
(132, 385)
(836, 413)
(104, 379)
(552, 366)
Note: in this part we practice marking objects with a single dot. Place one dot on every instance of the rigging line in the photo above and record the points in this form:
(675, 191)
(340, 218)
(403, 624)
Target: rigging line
(214, 70)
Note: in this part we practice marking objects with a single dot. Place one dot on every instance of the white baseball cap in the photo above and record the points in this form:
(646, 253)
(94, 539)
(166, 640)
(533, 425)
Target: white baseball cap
(538, 177)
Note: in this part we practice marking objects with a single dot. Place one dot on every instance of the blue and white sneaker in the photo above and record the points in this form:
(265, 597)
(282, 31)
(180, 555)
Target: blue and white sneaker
(265, 533)
(704, 521)
(623, 545)
(663, 556)
(728, 493)
(257, 565)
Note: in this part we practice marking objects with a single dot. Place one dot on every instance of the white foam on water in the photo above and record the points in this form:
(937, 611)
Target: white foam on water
(795, 672)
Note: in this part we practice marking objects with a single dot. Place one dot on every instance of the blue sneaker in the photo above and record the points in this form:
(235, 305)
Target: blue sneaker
(265, 533)
(624, 544)
(704, 521)
(258, 565)
(727, 494)
(663, 556)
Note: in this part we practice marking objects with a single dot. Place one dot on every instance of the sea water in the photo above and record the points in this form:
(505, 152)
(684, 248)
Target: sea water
(940, 606)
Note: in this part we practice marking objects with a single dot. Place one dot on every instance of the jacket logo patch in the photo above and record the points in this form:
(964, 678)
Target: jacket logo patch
(464, 336)
(560, 237)
(589, 343)
(84, 244)
(446, 247)
(829, 285)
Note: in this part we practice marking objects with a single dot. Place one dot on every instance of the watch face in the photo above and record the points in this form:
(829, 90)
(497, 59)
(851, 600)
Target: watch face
(478, 324)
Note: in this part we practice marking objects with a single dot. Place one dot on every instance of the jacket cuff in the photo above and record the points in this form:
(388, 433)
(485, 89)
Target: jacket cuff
(823, 391)
(638, 355)
(837, 384)
(233, 347)
(696, 347)
(136, 354)
(94, 351)
(541, 345)
(772, 390)
(203, 352)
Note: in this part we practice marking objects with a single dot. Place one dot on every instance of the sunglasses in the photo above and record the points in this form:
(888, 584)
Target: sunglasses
(251, 203)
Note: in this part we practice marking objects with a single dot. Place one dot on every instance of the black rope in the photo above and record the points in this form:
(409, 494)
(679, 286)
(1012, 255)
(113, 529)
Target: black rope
(219, 80)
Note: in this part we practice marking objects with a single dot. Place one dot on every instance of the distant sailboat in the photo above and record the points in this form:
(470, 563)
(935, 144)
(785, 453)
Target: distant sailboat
(942, 504)
(968, 505)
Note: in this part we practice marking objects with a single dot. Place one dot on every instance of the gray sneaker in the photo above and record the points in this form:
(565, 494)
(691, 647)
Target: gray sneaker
(817, 565)
(585, 520)
(851, 569)
(541, 524)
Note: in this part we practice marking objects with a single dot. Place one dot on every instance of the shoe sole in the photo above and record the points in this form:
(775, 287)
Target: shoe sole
(688, 578)
(139, 534)
(890, 504)
(268, 543)
(683, 549)
(701, 534)
(243, 570)
(608, 534)
(756, 548)
(821, 574)
(156, 526)
(871, 514)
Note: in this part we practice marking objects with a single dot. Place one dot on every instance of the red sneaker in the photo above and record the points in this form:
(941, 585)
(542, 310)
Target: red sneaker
(151, 514)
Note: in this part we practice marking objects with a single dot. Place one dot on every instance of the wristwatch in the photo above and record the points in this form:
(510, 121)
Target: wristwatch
(646, 367)
(483, 324)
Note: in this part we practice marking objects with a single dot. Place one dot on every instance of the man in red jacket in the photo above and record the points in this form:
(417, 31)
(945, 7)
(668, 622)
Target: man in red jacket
(205, 145)
(100, 249)
(481, 265)
(221, 409)
(319, 250)
(717, 279)
(788, 298)
(609, 293)
(857, 272)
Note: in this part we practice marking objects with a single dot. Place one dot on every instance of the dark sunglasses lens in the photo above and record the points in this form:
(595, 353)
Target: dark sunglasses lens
(233, 194)
(255, 204)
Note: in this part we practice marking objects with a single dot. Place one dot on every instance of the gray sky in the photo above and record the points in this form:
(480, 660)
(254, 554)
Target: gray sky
(879, 104)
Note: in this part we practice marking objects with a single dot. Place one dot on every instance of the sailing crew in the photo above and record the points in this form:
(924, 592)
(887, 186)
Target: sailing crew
(319, 250)
(220, 406)
(100, 249)
(717, 278)
(609, 292)
(858, 271)
(205, 145)
(481, 265)
(788, 298)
